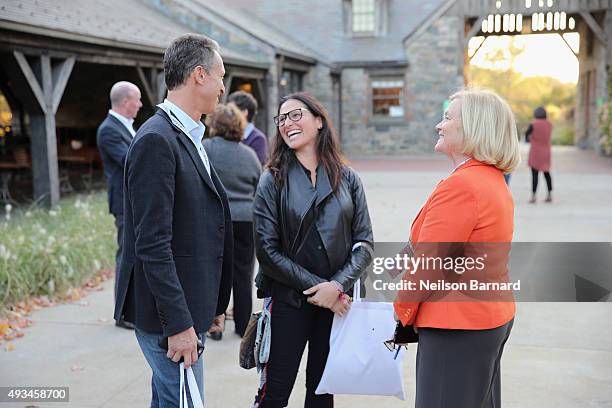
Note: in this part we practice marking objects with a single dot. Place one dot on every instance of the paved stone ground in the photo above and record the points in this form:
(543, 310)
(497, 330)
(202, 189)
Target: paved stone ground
(559, 354)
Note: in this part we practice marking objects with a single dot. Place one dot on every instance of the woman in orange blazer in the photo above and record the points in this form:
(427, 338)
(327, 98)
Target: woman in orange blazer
(461, 342)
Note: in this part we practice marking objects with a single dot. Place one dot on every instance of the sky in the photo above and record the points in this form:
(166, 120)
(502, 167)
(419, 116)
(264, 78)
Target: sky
(543, 55)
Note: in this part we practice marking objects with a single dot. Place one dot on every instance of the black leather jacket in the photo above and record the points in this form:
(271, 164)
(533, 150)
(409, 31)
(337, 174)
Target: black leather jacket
(341, 218)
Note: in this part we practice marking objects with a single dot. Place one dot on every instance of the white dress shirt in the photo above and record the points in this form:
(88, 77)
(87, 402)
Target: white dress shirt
(127, 122)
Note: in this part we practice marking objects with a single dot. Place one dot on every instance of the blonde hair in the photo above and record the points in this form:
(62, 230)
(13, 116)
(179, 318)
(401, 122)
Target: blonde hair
(489, 129)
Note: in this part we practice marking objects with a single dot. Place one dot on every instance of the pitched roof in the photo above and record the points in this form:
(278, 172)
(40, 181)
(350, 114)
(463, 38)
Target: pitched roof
(111, 22)
(321, 25)
(261, 29)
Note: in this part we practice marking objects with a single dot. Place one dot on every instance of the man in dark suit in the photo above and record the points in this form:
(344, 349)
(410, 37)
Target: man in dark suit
(253, 137)
(176, 270)
(114, 136)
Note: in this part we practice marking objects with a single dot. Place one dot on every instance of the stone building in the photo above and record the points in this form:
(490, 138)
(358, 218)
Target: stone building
(400, 59)
(383, 68)
(58, 62)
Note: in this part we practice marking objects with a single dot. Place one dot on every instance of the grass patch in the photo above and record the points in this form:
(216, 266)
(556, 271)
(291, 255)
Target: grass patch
(47, 252)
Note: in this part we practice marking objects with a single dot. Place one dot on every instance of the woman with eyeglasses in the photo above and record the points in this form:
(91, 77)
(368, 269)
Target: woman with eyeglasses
(313, 240)
(471, 212)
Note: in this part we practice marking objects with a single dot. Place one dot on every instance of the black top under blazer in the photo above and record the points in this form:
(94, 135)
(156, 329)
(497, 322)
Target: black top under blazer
(340, 217)
(176, 269)
(113, 140)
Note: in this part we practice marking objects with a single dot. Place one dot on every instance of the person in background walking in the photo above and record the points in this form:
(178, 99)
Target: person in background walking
(113, 138)
(252, 137)
(539, 135)
(239, 170)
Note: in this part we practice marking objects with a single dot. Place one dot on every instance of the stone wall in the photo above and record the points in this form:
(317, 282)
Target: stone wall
(592, 89)
(320, 83)
(435, 72)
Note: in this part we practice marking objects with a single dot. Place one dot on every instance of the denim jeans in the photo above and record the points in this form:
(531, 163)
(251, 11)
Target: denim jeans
(166, 377)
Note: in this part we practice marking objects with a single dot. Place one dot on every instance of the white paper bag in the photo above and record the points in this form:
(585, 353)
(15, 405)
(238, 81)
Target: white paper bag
(358, 361)
(194, 392)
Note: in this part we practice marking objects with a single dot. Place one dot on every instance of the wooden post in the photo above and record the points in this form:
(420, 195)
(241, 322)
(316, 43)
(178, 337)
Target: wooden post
(153, 87)
(595, 28)
(161, 86)
(148, 89)
(48, 88)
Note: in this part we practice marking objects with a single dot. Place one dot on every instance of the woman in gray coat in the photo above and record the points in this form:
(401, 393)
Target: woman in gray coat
(239, 169)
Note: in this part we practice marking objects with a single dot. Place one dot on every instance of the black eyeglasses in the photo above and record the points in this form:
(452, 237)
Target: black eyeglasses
(294, 115)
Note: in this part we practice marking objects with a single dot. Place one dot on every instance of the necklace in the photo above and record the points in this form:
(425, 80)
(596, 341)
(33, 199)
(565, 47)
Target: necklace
(460, 164)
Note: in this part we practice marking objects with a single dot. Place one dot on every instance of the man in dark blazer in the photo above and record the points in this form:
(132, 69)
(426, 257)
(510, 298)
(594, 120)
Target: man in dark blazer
(253, 137)
(114, 136)
(176, 270)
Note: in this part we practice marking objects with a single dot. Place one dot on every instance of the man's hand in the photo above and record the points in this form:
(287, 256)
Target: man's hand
(218, 324)
(324, 294)
(183, 344)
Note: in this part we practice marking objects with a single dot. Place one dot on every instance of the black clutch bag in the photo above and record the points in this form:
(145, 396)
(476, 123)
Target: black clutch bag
(404, 334)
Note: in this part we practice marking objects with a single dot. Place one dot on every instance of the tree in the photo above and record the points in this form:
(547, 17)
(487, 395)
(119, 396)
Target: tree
(524, 94)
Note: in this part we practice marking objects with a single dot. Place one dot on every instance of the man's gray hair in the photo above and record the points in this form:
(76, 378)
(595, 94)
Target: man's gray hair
(120, 91)
(184, 55)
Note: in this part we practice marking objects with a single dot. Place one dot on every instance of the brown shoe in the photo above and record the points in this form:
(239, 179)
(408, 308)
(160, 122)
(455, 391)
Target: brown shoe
(548, 198)
(215, 336)
(533, 200)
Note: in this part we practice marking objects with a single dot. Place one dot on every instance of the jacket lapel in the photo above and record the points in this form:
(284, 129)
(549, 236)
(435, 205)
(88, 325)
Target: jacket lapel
(193, 153)
(324, 188)
(301, 190)
(125, 134)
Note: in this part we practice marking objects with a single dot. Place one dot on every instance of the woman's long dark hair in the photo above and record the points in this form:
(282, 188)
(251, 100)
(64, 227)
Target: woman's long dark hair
(328, 146)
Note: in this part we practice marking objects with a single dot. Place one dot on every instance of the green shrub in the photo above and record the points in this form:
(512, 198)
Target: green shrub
(563, 134)
(46, 252)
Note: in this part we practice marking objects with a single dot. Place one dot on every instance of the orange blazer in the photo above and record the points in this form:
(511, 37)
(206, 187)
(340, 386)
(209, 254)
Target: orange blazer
(473, 204)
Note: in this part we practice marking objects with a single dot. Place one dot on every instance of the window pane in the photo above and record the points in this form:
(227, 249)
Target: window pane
(291, 81)
(364, 15)
(388, 98)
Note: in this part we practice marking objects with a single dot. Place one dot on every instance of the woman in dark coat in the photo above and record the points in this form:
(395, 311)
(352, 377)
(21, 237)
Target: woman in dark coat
(313, 239)
(238, 168)
(539, 135)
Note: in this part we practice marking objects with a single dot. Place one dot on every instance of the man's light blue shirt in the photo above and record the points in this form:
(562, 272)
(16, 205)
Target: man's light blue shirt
(247, 130)
(195, 130)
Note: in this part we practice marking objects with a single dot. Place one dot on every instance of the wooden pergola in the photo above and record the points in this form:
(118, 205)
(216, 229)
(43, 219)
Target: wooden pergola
(37, 65)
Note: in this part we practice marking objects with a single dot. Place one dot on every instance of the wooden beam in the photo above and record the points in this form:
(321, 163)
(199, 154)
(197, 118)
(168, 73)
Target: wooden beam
(147, 87)
(153, 81)
(473, 31)
(47, 82)
(45, 174)
(599, 33)
(48, 89)
(568, 45)
(161, 86)
(26, 69)
(60, 79)
(227, 84)
(477, 48)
